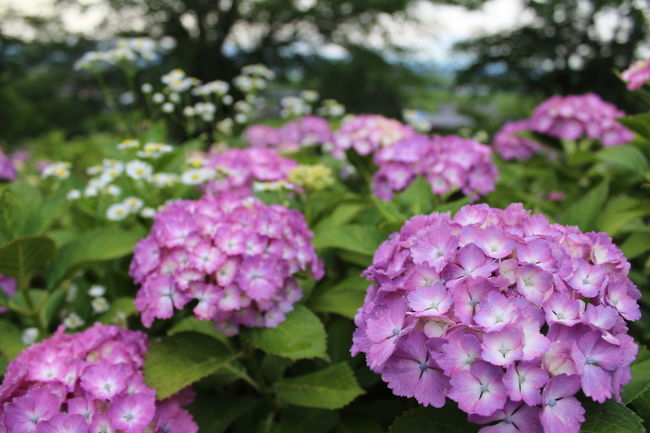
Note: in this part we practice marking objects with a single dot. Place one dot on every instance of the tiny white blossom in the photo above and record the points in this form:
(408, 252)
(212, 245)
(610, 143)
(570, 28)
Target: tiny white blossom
(113, 190)
(175, 98)
(133, 203)
(29, 336)
(225, 126)
(227, 99)
(196, 176)
(60, 170)
(241, 118)
(91, 191)
(158, 98)
(96, 290)
(73, 321)
(162, 180)
(168, 107)
(100, 305)
(148, 212)
(137, 169)
(188, 111)
(117, 212)
(71, 292)
(146, 88)
(128, 144)
(73, 194)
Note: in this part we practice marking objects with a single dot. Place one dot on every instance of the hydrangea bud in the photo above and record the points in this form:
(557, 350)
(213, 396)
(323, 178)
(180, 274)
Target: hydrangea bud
(236, 256)
(501, 311)
(637, 74)
(88, 382)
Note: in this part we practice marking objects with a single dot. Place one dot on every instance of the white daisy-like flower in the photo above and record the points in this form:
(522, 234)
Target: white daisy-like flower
(134, 203)
(148, 212)
(113, 190)
(137, 169)
(117, 212)
(71, 292)
(146, 88)
(73, 321)
(29, 336)
(196, 176)
(162, 180)
(158, 98)
(73, 194)
(128, 144)
(100, 305)
(60, 170)
(91, 191)
(168, 107)
(96, 290)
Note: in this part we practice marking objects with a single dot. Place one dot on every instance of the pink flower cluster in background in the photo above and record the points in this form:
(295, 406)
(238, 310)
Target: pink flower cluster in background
(236, 257)
(510, 145)
(7, 169)
(637, 74)
(7, 285)
(367, 133)
(241, 167)
(503, 312)
(447, 162)
(88, 382)
(577, 116)
(294, 135)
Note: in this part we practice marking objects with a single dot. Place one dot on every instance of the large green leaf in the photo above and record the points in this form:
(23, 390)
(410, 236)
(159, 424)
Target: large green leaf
(636, 244)
(355, 238)
(640, 382)
(343, 298)
(620, 211)
(610, 417)
(342, 214)
(179, 360)
(39, 218)
(95, 246)
(628, 158)
(10, 340)
(583, 212)
(418, 197)
(431, 420)
(301, 335)
(331, 388)
(388, 209)
(302, 420)
(23, 257)
(216, 418)
(120, 309)
(639, 123)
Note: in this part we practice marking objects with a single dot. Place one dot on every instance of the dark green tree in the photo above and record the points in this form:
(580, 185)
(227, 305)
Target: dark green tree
(567, 47)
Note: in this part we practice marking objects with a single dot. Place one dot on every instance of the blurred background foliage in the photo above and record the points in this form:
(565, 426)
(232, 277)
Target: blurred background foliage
(343, 49)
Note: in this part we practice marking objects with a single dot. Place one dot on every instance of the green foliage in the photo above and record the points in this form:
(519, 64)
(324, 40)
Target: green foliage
(23, 257)
(181, 359)
(583, 212)
(300, 336)
(354, 238)
(610, 417)
(331, 388)
(432, 420)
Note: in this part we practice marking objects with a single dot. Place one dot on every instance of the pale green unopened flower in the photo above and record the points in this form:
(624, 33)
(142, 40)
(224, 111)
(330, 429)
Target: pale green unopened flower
(312, 177)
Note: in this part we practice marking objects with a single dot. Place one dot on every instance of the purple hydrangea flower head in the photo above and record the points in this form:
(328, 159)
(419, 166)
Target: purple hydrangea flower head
(7, 169)
(637, 74)
(447, 162)
(7, 285)
(305, 131)
(368, 133)
(577, 116)
(236, 256)
(241, 167)
(509, 145)
(88, 382)
(503, 312)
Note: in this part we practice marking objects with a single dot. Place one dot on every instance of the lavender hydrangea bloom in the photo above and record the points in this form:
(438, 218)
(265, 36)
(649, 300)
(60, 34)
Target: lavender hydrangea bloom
(88, 382)
(294, 135)
(447, 162)
(637, 74)
(7, 169)
(576, 116)
(509, 145)
(236, 256)
(263, 136)
(9, 286)
(368, 133)
(503, 312)
(241, 167)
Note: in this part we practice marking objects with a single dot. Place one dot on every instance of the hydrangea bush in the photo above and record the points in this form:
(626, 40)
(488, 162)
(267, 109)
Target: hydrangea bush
(503, 312)
(88, 382)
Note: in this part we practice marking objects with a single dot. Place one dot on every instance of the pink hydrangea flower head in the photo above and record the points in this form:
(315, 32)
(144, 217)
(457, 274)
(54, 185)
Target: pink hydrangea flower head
(262, 136)
(637, 74)
(510, 145)
(578, 116)
(236, 256)
(7, 169)
(368, 133)
(239, 168)
(88, 382)
(305, 131)
(503, 312)
(447, 162)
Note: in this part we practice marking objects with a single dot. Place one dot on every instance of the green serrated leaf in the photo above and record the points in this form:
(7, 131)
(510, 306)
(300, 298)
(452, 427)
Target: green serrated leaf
(639, 384)
(418, 197)
(354, 238)
(331, 388)
(584, 212)
(639, 123)
(95, 246)
(627, 157)
(52, 306)
(388, 209)
(179, 360)
(22, 257)
(201, 326)
(301, 335)
(120, 308)
(431, 420)
(39, 218)
(636, 244)
(343, 298)
(610, 417)
(216, 418)
(10, 340)
(342, 214)
(301, 420)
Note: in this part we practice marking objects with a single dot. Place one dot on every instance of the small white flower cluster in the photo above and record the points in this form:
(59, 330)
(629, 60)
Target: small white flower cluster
(60, 170)
(331, 108)
(279, 185)
(204, 110)
(217, 87)
(294, 106)
(196, 176)
(130, 206)
(137, 52)
(304, 103)
(99, 302)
